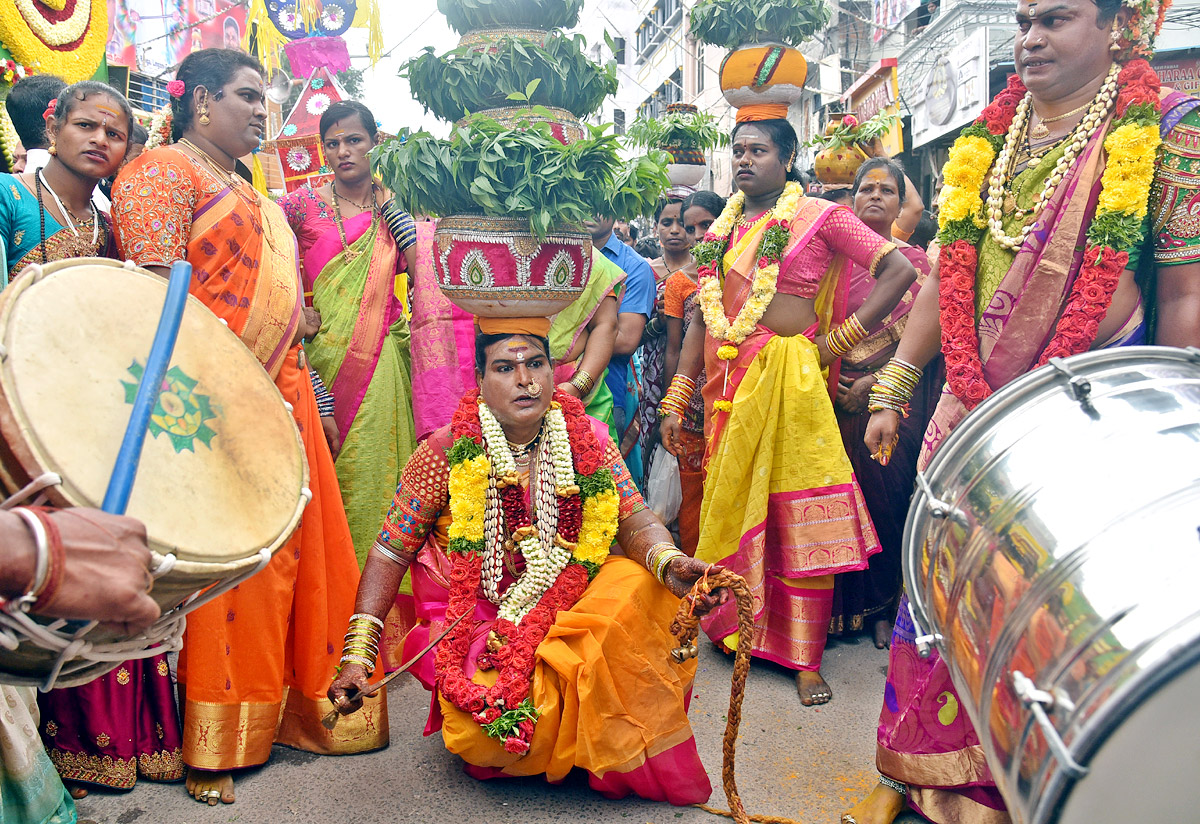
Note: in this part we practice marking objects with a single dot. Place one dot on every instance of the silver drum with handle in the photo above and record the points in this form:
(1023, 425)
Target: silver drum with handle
(1052, 555)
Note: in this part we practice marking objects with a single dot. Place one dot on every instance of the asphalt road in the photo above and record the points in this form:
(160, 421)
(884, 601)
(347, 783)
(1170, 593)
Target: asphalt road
(808, 764)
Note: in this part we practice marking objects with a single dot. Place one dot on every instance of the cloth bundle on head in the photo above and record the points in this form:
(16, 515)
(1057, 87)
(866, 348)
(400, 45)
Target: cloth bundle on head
(677, 194)
(513, 326)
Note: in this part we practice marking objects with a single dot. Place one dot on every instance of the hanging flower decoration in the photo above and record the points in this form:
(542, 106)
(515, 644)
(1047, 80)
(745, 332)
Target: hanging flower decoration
(299, 159)
(709, 255)
(317, 104)
(160, 128)
(61, 38)
(12, 71)
(1117, 229)
(562, 548)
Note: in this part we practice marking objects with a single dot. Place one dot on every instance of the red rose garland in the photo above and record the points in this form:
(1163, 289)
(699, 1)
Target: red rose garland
(1092, 291)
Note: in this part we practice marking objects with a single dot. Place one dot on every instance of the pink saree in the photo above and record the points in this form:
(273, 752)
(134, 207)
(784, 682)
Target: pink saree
(443, 344)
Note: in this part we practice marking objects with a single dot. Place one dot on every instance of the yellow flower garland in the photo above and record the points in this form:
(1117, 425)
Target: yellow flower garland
(598, 528)
(468, 497)
(764, 282)
(31, 38)
(1126, 181)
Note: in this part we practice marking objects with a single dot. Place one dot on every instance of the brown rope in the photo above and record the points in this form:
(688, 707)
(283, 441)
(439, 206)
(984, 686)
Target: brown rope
(685, 627)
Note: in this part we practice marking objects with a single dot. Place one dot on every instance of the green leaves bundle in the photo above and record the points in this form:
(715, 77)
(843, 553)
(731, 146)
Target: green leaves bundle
(469, 15)
(733, 23)
(845, 135)
(465, 81)
(686, 130)
(492, 169)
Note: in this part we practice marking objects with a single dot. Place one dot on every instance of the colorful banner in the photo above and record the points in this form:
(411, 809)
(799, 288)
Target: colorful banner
(888, 14)
(151, 36)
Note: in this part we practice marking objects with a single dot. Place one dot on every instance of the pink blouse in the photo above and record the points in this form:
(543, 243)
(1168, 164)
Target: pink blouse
(841, 233)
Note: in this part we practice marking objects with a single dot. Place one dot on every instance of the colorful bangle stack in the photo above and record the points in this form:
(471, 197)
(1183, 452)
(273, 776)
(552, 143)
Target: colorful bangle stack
(362, 641)
(659, 558)
(324, 396)
(49, 560)
(584, 382)
(678, 396)
(847, 336)
(894, 387)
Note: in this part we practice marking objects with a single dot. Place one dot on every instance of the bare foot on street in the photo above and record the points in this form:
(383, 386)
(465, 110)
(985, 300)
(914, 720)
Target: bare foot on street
(210, 786)
(880, 807)
(812, 688)
(883, 634)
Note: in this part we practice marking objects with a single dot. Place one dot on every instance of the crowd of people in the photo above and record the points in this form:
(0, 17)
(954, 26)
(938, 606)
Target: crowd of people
(797, 355)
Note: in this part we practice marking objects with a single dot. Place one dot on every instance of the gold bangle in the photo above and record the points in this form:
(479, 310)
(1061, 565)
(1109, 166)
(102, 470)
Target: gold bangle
(582, 381)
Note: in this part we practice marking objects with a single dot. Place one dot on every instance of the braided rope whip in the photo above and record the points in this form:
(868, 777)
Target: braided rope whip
(685, 627)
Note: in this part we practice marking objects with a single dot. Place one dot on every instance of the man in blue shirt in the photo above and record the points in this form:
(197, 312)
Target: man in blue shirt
(637, 305)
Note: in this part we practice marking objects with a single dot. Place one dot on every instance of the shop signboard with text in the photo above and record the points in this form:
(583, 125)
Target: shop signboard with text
(955, 92)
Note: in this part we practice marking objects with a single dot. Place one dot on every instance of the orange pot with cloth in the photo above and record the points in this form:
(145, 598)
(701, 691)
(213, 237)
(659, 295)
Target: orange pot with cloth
(763, 79)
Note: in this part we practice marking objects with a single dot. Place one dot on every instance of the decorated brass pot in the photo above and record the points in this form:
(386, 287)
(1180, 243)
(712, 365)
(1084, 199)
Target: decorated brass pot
(494, 266)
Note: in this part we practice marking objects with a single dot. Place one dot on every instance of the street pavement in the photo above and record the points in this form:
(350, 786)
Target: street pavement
(808, 764)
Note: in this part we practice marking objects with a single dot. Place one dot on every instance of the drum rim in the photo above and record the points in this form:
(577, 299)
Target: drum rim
(28, 455)
(1092, 737)
(918, 518)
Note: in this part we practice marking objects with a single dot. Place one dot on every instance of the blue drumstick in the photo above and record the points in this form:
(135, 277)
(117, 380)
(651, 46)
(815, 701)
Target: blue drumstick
(120, 485)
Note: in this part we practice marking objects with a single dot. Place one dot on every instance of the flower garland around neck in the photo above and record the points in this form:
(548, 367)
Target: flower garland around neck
(1117, 228)
(562, 547)
(710, 254)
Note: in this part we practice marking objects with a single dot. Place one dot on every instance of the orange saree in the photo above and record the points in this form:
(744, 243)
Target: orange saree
(256, 661)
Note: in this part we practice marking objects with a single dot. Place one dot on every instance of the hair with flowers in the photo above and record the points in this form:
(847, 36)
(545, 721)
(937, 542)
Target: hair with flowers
(1137, 36)
(176, 88)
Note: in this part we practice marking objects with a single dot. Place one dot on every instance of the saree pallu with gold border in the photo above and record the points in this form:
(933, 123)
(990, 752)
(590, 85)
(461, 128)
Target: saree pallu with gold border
(360, 352)
(925, 738)
(612, 701)
(256, 661)
(781, 506)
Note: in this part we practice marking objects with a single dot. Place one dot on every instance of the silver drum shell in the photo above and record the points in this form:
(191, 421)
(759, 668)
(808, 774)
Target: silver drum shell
(1054, 534)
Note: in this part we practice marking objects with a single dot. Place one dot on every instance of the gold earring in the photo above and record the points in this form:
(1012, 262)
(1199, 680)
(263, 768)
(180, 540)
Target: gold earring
(53, 150)
(204, 121)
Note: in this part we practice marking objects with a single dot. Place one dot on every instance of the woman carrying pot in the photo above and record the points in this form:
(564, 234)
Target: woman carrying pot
(781, 505)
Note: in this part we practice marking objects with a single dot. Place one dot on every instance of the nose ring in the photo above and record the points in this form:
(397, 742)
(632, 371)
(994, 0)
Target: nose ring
(534, 389)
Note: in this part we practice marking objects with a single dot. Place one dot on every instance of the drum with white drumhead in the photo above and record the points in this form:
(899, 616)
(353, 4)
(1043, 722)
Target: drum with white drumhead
(222, 479)
(1052, 555)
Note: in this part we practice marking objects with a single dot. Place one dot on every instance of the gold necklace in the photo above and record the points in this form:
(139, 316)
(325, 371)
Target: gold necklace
(361, 206)
(236, 184)
(1040, 131)
(347, 252)
(750, 224)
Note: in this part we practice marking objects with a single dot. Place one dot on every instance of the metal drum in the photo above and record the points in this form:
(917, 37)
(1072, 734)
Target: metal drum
(1052, 555)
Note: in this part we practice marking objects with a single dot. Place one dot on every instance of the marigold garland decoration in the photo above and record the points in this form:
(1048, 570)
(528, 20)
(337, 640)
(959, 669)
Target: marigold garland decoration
(1117, 229)
(486, 502)
(710, 254)
(62, 38)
